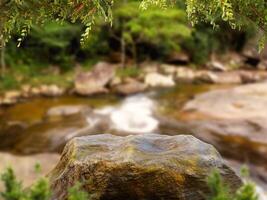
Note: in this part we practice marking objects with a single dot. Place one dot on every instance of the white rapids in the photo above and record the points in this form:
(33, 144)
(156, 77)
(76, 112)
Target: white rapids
(134, 115)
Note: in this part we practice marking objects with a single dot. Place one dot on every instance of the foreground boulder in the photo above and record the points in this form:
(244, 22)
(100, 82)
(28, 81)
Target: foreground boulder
(139, 167)
(94, 82)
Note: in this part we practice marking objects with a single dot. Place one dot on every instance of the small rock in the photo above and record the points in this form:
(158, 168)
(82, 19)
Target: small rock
(130, 88)
(51, 90)
(217, 66)
(35, 91)
(94, 82)
(262, 65)
(26, 90)
(159, 80)
(169, 69)
(149, 68)
(11, 97)
(115, 81)
(66, 110)
(178, 57)
(249, 77)
(184, 74)
(206, 77)
(12, 94)
(232, 77)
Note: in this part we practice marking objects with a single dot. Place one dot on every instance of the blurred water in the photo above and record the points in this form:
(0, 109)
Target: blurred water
(134, 115)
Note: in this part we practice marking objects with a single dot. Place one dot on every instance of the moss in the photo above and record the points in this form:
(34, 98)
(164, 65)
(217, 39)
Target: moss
(128, 72)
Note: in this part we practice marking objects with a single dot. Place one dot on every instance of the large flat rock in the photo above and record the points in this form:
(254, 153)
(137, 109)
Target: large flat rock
(242, 102)
(233, 120)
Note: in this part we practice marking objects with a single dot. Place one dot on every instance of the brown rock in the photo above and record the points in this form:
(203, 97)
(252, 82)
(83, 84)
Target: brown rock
(130, 88)
(233, 120)
(232, 77)
(185, 74)
(35, 91)
(95, 81)
(178, 57)
(66, 110)
(11, 97)
(51, 90)
(206, 77)
(139, 167)
(159, 80)
(217, 66)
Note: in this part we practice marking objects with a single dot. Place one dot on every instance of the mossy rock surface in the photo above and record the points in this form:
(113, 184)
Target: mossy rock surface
(138, 167)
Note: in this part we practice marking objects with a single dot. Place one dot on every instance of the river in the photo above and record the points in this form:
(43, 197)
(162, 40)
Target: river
(37, 130)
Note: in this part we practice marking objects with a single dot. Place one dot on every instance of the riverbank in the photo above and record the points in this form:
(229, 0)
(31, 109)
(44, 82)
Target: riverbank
(106, 78)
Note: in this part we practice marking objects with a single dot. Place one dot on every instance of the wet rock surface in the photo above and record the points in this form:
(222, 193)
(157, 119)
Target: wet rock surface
(139, 167)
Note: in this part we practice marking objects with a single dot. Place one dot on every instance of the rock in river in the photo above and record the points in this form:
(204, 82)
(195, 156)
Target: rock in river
(234, 120)
(148, 166)
(159, 80)
(94, 82)
(130, 88)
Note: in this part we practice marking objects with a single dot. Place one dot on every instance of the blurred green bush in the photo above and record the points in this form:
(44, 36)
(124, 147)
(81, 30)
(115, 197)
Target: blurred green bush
(135, 34)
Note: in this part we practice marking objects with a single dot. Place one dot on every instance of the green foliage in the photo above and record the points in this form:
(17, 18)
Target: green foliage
(246, 192)
(53, 43)
(40, 190)
(154, 32)
(21, 15)
(220, 191)
(205, 40)
(128, 72)
(76, 193)
(8, 82)
(235, 12)
(13, 187)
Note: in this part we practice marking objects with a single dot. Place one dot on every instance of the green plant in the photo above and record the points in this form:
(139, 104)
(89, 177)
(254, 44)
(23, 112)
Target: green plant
(40, 190)
(8, 82)
(220, 191)
(76, 193)
(13, 188)
(128, 72)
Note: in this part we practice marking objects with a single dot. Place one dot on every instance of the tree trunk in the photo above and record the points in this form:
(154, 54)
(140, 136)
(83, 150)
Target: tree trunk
(2, 56)
(123, 52)
(134, 52)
